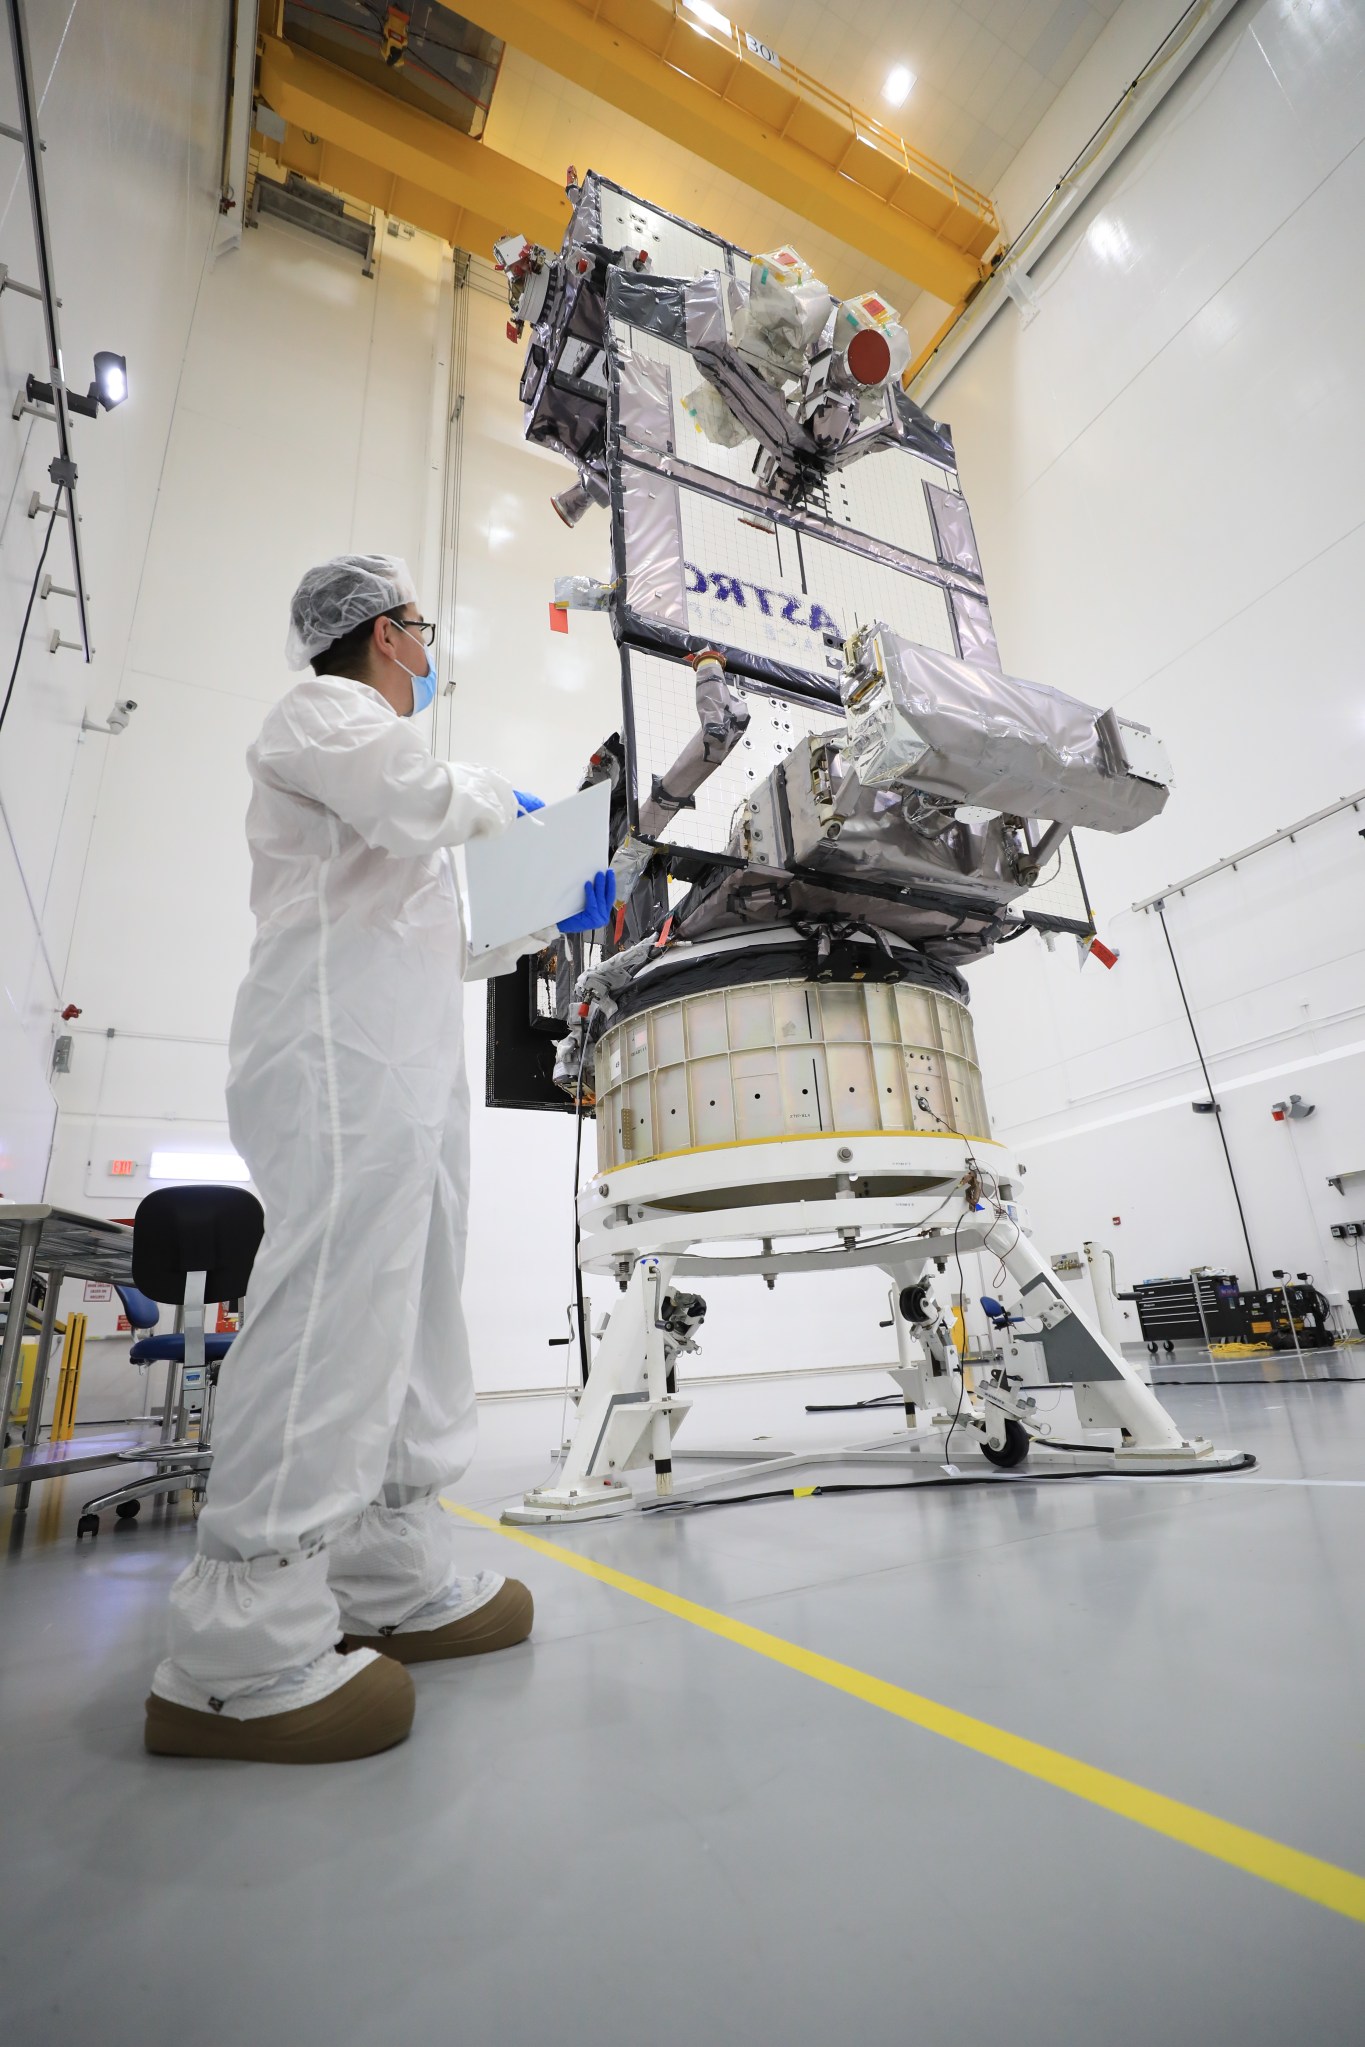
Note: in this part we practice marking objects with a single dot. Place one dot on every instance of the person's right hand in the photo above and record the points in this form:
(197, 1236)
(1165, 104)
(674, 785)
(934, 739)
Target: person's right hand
(599, 898)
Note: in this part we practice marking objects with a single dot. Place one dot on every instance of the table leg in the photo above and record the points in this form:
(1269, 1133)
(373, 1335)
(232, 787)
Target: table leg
(12, 1353)
(39, 1386)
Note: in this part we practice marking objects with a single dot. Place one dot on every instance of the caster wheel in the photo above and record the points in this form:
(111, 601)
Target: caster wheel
(1012, 1451)
(89, 1524)
(128, 1510)
(1152, 1348)
(1170, 1350)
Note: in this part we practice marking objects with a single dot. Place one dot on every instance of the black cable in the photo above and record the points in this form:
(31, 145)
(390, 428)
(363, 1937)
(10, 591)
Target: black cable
(28, 608)
(916, 1485)
(583, 1366)
(1329, 1379)
(855, 1406)
(1217, 1112)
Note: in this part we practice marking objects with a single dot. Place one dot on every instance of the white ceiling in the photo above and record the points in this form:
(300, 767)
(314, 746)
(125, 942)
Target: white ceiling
(986, 72)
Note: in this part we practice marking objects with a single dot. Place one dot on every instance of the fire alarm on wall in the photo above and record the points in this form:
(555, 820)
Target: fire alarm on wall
(1116, 1220)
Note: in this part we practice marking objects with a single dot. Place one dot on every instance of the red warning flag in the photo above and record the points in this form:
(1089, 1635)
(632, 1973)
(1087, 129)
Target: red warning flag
(1102, 953)
(559, 618)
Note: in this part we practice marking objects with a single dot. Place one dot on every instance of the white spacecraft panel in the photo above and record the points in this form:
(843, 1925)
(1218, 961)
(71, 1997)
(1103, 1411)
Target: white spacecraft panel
(860, 590)
(664, 717)
(675, 250)
(883, 494)
(763, 588)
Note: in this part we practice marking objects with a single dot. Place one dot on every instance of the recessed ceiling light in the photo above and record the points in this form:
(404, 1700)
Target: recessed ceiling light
(896, 91)
(712, 16)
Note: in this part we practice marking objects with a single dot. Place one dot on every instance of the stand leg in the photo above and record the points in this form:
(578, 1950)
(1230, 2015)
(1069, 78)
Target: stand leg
(1109, 1393)
(926, 1389)
(626, 1416)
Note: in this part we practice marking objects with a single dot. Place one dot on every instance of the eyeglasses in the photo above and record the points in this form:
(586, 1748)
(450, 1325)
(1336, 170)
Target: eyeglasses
(421, 628)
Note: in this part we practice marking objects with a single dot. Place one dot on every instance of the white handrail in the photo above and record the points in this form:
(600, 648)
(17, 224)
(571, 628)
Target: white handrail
(1290, 831)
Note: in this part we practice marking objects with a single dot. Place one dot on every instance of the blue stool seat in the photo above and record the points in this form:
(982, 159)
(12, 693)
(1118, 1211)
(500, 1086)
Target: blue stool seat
(153, 1350)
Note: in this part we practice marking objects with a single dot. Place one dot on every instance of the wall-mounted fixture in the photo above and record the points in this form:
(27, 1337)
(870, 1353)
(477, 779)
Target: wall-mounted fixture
(108, 388)
(116, 722)
(1292, 1111)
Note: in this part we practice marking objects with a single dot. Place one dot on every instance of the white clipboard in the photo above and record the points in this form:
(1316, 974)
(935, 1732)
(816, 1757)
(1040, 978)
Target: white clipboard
(530, 876)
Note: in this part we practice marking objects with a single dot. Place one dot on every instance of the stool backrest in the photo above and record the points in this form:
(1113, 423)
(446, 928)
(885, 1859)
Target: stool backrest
(141, 1310)
(215, 1231)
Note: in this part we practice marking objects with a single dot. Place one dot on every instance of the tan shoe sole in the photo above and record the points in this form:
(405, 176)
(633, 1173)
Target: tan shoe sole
(370, 1712)
(504, 1621)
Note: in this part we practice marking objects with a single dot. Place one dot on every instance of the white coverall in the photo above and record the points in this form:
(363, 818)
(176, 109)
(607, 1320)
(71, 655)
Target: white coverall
(347, 1403)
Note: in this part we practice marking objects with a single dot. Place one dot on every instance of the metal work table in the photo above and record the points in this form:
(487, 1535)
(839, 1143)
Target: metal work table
(61, 1244)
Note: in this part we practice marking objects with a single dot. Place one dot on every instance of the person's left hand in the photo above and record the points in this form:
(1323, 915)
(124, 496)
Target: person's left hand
(599, 898)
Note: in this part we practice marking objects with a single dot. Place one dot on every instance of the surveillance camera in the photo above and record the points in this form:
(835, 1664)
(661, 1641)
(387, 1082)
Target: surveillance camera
(117, 720)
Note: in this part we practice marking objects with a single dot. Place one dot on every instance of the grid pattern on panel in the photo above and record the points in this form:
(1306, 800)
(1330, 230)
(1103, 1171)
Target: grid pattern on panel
(674, 250)
(663, 704)
(882, 494)
(745, 587)
(853, 590)
(1059, 893)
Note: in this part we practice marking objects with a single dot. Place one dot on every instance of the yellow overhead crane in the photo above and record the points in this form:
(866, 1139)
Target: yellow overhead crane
(686, 72)
(691, 74)
(359, 140)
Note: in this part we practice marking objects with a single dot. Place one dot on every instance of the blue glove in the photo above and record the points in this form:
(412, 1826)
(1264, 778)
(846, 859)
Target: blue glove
(526, 804)
(599, 898)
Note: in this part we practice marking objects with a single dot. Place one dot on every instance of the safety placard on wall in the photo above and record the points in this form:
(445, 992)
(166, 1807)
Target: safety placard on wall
(98, 1290)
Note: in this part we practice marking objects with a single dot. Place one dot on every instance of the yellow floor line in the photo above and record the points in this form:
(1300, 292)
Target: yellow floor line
(1340, 1890)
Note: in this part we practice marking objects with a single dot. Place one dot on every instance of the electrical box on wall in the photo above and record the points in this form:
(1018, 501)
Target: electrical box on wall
(1348, 1229)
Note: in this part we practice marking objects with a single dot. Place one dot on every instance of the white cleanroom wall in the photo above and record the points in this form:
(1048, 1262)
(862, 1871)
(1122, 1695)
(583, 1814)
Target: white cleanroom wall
(131, 167)
(303, 427)
(1164, 465)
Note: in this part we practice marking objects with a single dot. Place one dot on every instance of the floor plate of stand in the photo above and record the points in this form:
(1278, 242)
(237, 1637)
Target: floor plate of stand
(918, 1455)
(531, 1513)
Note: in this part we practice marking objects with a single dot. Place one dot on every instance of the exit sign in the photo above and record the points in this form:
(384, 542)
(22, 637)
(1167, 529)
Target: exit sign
(122, 1169)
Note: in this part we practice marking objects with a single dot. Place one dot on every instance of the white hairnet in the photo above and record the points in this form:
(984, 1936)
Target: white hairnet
(340, 594)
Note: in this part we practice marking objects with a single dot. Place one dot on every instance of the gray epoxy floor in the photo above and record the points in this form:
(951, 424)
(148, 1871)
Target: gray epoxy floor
(629, 1829)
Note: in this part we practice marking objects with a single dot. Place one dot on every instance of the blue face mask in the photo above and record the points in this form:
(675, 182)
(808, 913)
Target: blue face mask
(423, 686)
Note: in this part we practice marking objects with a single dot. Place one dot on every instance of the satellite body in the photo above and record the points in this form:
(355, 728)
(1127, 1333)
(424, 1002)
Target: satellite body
(827, 796)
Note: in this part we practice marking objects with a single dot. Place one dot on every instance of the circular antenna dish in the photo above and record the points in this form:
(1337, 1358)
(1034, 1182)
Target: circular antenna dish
(869, 356)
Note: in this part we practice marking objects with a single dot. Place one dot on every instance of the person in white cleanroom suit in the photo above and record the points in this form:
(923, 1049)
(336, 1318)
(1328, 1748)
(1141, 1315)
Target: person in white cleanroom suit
(346, 1404)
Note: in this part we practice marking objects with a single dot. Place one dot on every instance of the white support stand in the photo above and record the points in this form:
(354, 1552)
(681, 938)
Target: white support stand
(627, 1416)
(1110, 1315)
(630, 1410)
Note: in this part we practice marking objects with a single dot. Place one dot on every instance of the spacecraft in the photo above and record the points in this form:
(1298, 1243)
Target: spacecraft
(827, 797)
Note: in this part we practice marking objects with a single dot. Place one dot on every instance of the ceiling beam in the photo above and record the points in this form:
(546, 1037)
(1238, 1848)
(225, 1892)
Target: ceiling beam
(385, 153)
(776, 130)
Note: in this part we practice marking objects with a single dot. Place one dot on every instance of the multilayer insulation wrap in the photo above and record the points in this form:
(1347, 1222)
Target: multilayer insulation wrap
(958, 729)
